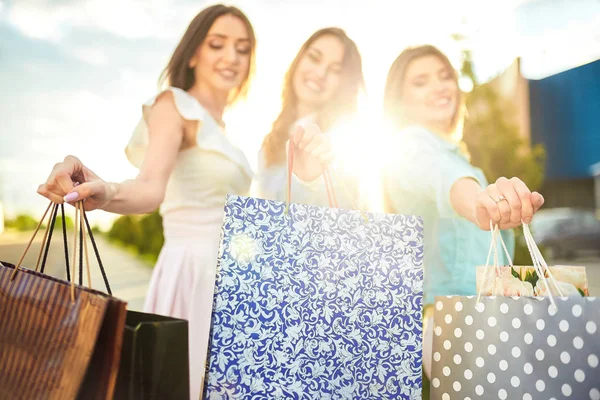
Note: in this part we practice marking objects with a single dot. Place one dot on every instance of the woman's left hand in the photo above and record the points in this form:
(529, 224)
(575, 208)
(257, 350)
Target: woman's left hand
(507, 203)
(312, 151)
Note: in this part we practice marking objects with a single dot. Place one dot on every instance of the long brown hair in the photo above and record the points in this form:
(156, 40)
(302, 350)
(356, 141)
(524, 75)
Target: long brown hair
(392, 100)
(178, 72)
(344, 102)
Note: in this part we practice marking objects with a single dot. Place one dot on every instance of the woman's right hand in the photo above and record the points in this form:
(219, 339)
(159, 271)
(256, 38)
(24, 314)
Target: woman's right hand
(507, 203)
(71, 181)
(312, 151)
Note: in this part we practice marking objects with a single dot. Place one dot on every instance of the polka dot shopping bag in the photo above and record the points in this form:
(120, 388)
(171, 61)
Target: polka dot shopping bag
(539, 345)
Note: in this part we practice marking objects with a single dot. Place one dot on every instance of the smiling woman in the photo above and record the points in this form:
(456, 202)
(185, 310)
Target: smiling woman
(430, 175)
(322, 86)
(218, 56)
(186, 167)
(427, 84)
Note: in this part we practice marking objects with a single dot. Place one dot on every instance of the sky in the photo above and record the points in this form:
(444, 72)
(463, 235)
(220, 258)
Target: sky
(74, 73)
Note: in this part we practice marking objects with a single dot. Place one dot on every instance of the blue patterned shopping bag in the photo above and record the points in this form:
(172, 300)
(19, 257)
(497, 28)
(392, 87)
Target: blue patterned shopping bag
(316, 303)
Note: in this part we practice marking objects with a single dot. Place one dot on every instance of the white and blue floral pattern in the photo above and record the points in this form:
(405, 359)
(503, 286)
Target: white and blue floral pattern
(316, 304)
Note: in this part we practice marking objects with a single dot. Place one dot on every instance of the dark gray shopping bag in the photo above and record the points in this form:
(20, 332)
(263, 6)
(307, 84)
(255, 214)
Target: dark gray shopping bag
(516, 348)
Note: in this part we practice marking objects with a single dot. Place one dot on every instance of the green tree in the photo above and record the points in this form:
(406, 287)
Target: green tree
(68, 222)
(126, 230)
(143, 234)
(22, 223)
(493, 137)
(153, 239)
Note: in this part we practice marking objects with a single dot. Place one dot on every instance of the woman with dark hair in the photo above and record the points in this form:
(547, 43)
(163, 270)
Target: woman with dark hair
(321, 88)
(187, 167)
(430, 175)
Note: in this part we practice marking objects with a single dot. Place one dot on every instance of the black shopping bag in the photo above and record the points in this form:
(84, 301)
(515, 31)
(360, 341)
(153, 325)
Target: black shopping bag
(154, 358)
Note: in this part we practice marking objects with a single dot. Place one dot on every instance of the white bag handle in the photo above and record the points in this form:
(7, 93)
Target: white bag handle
(539, 263)
(493, 247)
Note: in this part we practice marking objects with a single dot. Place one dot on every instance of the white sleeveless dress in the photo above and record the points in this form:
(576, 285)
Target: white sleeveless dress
(182, 283)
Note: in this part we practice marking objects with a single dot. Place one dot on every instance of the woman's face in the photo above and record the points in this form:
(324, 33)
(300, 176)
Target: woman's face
(430, 92)
(317, 77)
(222, 61)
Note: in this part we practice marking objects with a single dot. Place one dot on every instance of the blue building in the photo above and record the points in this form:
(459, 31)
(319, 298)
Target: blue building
(565, 117)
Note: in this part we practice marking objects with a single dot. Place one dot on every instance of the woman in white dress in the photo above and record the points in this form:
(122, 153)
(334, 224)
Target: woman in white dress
(321, 87)
(187, 167)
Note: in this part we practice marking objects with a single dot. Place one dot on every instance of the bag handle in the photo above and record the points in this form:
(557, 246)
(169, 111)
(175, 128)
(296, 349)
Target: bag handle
(45, 247)
(65, 245)
(77, 225)
(30, 242)
(493, 248)
(539, 263)
(47, 241)
(327, 176)
(96, 252)
(536, 256)
(81, 223)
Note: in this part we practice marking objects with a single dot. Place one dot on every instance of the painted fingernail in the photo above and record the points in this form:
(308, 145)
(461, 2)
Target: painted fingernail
(71, 197)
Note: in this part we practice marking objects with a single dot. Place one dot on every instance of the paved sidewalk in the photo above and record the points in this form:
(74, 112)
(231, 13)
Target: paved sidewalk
(127, 275)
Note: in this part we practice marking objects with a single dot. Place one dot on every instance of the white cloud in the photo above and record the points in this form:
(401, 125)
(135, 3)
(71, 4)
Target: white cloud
(36, 22)
(47, 19)
(132, 19)
(90, 55)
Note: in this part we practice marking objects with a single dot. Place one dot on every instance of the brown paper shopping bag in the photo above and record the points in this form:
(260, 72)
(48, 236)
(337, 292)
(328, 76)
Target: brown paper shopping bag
(58, 340)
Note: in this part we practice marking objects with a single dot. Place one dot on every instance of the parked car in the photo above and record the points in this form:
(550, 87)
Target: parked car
(567, 232)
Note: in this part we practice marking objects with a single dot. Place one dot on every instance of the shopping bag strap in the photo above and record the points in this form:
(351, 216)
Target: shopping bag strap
(81, 224)
(47, 242)
(327, 176)
(540, 265)
(65, 244)
(96, 252)
(539, 262)
(350, 196)
(18, 265)
(79, 227)
(47, 239)
(496, 234)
